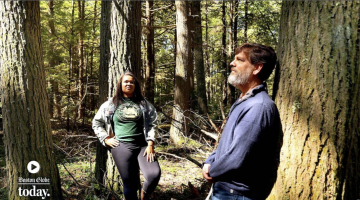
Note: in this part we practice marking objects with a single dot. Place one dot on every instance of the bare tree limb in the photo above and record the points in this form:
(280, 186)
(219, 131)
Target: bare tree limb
(212, 135)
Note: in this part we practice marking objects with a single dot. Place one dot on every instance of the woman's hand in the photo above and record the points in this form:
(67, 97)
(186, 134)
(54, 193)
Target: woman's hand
(112, 142)
(150, 152)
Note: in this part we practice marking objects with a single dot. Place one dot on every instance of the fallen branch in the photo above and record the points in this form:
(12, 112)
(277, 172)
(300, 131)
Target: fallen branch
(222, 110)
(92, 137)
(212, 123)
(194, 161)
(212, 135)
(188, 158)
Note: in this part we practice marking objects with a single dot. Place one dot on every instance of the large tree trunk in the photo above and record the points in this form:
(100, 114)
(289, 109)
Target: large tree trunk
(198, 58)
(182, 79)
(318, 100)
(125, 41)
(125, 55)
(150, 61)
(105, 37)
(27, 133)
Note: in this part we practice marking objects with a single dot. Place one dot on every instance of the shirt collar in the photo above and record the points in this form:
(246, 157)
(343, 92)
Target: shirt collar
(253, 91)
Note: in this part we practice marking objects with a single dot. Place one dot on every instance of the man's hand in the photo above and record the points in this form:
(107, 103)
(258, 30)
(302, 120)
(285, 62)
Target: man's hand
(205, 173)
(112, 142)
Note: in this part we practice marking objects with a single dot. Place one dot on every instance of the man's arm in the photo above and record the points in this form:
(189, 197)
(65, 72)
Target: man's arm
(247, 133)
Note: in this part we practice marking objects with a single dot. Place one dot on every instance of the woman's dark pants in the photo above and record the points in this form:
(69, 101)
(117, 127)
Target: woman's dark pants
(128, 161)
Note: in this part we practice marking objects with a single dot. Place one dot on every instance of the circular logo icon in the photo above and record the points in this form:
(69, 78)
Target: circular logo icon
(33, 167)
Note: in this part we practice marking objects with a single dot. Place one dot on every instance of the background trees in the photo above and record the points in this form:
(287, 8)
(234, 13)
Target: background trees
(315, 89)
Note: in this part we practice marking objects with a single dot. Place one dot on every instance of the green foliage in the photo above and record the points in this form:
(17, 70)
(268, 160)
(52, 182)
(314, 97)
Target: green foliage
(61, 48)
(60, 38)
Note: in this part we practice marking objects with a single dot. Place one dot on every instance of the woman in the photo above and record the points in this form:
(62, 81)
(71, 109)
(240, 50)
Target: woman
(131, 118)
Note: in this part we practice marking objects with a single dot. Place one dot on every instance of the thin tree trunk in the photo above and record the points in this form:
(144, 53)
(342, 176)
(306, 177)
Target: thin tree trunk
(105, 37)
(318, 100)
(230, 54)
(199, 59)
(246, 21)
(208, 88)
(81, 82)
(150, 61)
(224, 62)
(27, 132)
(70, 66)
(236, 17)
(55, 97)
(91, 89)
(182, 80)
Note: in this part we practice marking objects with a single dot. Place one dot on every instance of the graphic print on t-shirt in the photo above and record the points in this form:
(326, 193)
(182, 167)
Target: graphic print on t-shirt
(128, 111)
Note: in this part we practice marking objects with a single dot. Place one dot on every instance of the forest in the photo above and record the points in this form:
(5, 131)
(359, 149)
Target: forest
(60, 60)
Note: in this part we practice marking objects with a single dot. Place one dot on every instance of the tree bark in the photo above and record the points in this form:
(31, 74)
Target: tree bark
(198, 58)
(54, 97)
(318, 100)
(81, 66)
(182, 80)
(120, 40)
(150, 61)
(208, 88)
(230, 53)
(224, 60)
(93, 49)
(27, 133)
(125, 41)
(105, 37)
(246, 21)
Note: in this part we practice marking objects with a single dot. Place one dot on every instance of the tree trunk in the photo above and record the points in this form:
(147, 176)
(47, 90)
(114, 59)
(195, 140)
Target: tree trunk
(198, 58)
(208, 88)
(55, 98)
(71, 64)
(121, 26)
(182, 80)
(150, 61)
(236, 17)
(224, 62)
(27, 133)
(92, 89)
(230, 54)
(125, 41)
(318, 100)
(246, 21)
(105, 37)
(81, 16)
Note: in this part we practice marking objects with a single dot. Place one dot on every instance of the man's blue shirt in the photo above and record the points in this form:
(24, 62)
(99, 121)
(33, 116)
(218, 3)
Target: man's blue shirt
(247, 157)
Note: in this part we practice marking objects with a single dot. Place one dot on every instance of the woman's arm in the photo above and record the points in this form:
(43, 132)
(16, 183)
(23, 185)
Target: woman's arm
(98, 124)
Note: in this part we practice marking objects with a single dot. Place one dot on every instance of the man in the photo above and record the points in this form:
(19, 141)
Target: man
(245, 163)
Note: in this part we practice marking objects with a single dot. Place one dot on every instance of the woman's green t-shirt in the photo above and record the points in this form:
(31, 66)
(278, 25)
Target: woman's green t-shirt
(128, 123)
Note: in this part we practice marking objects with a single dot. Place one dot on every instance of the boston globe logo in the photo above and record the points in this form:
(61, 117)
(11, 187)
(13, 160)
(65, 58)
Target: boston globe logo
(33, 167)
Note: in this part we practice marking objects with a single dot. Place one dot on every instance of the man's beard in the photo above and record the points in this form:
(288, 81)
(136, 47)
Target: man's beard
(237, 79)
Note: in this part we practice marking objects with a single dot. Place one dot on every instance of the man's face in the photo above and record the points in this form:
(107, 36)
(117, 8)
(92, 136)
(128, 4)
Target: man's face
(241, 70)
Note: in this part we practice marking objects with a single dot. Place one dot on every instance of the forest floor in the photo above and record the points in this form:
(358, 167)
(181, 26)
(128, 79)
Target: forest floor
(181, 179)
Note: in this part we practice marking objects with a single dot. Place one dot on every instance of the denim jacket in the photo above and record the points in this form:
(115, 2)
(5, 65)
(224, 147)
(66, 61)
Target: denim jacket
(103, 125)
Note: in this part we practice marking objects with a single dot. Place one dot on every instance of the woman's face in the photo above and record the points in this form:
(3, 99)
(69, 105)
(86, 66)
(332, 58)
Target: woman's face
(128, 86)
